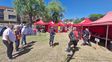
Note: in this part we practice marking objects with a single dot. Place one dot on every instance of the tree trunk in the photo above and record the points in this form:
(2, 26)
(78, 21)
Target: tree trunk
(30, 19)
(18, 19)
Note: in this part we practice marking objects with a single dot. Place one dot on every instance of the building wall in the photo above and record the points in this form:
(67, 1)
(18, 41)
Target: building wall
(1, 14)
(10, 15)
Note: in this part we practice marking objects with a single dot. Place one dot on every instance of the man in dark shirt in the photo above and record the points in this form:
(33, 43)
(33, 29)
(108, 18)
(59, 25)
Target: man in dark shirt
(52, 35)
(74, 38)
(86, 36)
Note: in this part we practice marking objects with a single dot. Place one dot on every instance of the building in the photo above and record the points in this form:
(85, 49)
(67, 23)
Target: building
(7, 14)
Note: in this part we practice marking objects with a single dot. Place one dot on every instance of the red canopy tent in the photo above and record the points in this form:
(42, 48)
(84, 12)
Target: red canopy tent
(61, 24)
(40, 22)
(51, 23)
(41, 25)
(69, 24)
(86, 21)
(105, 24)
(106, 20)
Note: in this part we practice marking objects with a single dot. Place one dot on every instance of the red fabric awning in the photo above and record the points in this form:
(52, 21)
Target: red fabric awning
(85, 22)
(61, 24)
(69, 24)
(106, 20)
(40, 22)
(51, 23)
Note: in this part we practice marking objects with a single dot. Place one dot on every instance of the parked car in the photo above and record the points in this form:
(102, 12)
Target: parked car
(2, 30)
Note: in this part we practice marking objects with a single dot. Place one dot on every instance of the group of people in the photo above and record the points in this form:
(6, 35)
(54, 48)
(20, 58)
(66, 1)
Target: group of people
(13, 34)
(74, 36)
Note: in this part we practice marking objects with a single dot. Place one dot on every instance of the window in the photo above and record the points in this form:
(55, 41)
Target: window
(1, 14)
(1, 18)
(1, 10)
(12, 17)
(10, 10)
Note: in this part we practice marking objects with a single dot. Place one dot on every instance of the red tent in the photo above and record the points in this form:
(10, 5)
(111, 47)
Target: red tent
(86, 21)
(61, 24)
(69, 24)
(105, 25)
(51, 23)
(35, 23)
(106, 20)
(40, 22)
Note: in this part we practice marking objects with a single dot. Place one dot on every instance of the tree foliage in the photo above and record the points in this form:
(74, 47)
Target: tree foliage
(55, 10)
(95, 17)
(32, 8)
(38, 9)
(78, 20)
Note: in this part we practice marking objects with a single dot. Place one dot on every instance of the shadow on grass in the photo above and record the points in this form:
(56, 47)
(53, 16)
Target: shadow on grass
(25, 49)
(56, 44)
(69, 57)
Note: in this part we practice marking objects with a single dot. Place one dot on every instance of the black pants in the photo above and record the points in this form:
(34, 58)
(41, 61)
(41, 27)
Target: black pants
(51, 40)
(71, 43)
(86, 39)
(9, 48)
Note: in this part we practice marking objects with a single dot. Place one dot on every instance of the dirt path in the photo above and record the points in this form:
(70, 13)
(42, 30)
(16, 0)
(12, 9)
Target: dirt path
(41, 52)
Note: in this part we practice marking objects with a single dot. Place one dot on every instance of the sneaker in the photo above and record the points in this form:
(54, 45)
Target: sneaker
(66, 50)
(70, 53)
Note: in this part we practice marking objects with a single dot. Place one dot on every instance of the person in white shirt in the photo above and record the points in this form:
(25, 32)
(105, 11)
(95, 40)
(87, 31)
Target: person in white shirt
(24, 33)
(8, 38)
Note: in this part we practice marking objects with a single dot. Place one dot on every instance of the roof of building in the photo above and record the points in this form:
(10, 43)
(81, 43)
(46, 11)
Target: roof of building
(5, 7)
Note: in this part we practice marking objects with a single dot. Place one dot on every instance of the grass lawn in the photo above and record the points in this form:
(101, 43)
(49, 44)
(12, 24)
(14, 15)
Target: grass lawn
(40, 51)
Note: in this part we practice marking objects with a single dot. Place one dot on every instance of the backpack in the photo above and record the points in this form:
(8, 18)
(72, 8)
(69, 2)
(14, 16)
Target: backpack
(71, 36)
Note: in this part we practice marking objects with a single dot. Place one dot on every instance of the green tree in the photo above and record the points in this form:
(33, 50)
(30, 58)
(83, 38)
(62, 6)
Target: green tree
(95, 17)
(55, 10)
(30, 7)
(78, 20)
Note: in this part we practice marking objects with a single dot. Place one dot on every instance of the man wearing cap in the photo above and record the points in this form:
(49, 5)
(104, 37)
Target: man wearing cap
(8, 39)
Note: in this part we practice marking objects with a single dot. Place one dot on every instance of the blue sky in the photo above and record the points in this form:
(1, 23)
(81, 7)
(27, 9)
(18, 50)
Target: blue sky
(77, 8)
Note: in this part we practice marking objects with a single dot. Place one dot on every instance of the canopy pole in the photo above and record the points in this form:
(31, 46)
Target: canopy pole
(106, 36)
(81, 31)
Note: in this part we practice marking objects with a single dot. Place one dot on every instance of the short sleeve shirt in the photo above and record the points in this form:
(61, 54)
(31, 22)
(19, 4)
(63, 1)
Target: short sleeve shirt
(8, 32)
(24, 31)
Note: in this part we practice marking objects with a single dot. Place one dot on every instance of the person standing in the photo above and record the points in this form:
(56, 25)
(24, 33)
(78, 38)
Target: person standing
(52, 35)
(74, 38)
(8, 38)
(86, 36)
(23, 34)
(18, 36)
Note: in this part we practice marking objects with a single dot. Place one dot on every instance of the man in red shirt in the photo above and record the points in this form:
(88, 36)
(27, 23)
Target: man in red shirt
(74, 38)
